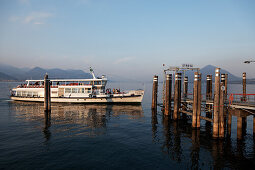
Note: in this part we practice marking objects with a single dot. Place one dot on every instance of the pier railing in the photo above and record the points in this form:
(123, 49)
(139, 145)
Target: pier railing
(241, 98)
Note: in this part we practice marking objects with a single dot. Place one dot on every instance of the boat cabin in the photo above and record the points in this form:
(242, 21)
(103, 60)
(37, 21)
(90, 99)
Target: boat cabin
(63, 88)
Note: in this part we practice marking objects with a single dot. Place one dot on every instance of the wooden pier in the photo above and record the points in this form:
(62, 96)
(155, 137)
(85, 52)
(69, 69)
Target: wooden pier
(218, 105)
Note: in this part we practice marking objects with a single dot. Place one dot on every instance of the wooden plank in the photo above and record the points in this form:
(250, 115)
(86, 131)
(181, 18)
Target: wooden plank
(201, 117)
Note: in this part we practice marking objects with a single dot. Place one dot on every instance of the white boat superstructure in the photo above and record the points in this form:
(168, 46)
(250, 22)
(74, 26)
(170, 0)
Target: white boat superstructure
(75, 91)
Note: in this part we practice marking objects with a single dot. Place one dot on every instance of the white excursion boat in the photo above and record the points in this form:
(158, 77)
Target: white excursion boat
(75, 91)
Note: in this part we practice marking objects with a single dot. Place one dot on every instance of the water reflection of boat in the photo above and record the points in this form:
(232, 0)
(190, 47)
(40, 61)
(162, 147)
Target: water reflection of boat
(76, 119)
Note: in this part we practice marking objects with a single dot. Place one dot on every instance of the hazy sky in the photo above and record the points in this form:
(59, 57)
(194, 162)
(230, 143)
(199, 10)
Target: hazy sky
(128, 37)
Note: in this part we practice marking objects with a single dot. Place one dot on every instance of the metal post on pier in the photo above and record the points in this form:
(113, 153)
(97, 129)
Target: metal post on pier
(216, 103)
(46, 93)
(244, 86)
(154, 93)
(177, 95)
(168, 94)
(221, 109)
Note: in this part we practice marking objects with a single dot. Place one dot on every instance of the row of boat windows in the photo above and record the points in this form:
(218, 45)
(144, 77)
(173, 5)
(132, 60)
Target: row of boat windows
(26, 93)
(77, 90)
(70, 83)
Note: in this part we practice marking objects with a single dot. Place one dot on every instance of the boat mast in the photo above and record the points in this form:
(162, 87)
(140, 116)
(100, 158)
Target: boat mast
(92, 73)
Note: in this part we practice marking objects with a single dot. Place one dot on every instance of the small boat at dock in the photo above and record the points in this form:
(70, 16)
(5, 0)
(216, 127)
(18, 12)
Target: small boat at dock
(75, 91)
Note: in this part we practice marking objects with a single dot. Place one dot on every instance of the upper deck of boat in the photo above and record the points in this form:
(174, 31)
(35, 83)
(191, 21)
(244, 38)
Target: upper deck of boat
(69, 80)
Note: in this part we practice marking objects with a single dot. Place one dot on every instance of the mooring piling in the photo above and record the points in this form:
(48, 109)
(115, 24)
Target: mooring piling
(216, 103)
(244, 86)
(168, 94)
(177, 95)
(154, 93)
(46, 93)
(209, 87)
(221, 109)
(195, 100)
(199, 99)
(223, 81)
(226, 86)
(49, 95)
(254, 126)
(185, 87)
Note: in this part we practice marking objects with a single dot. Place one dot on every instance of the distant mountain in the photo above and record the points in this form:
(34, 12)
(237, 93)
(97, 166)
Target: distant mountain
(38, 73)
(13, 73)
(4, 76)
(17, 73)
(209, 69)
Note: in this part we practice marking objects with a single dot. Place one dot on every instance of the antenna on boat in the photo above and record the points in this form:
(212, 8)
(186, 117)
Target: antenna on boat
(92, 73)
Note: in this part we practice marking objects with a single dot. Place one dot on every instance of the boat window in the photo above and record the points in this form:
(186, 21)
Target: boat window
(103, 83)
(74, 90)
(24, 93)
(88, 90)
(81, 90)
(18, 93)
(29, 93)
(97, 82)
(67, 90)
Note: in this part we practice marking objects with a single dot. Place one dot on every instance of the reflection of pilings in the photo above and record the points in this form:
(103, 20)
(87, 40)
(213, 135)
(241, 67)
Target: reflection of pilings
(177, 141)
(154, 123)
(240, 148)
(154, 93)
(239, 128)
(166, 130)
(229, 123)
(47, 124)
(208, 125)
(195, 134)
(241, 124)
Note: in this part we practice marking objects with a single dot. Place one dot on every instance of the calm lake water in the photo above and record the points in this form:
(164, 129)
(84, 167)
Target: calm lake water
(114, 137)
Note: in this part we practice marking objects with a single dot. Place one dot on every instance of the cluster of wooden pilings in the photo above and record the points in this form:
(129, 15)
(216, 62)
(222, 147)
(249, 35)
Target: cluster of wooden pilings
(215, 102)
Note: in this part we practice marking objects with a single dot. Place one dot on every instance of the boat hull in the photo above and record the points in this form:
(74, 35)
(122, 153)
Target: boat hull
(126, 99)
